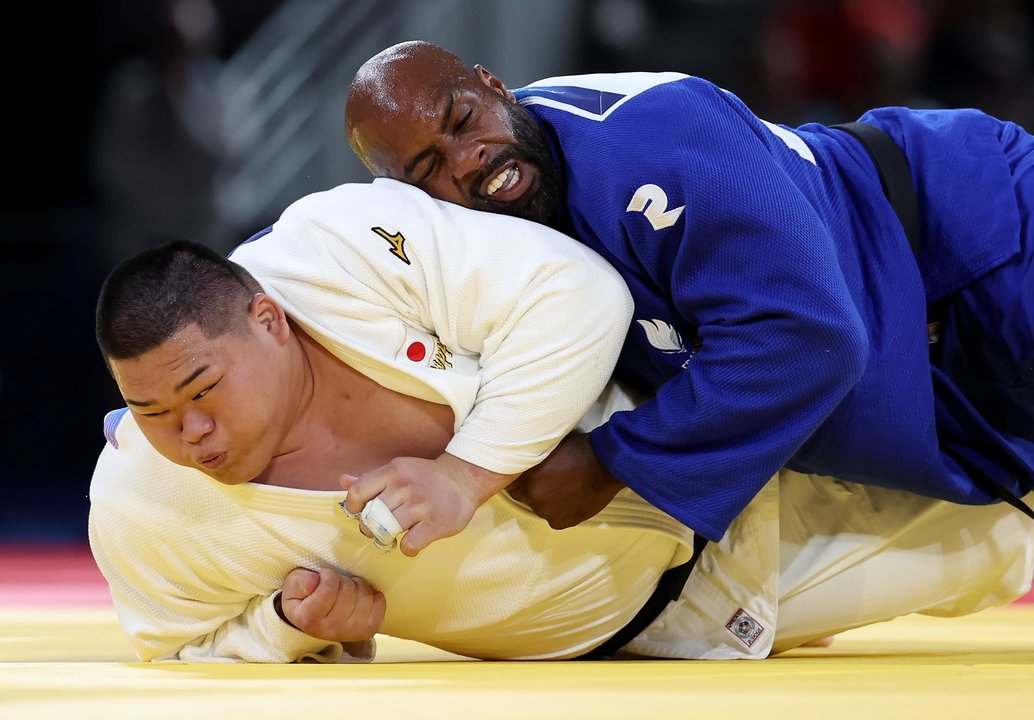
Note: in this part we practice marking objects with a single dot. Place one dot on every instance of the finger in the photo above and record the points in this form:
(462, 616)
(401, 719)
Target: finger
(369, 607)
(381, 522)
(299, 584)
(318, 605)
(380, 607)
(364, 488)
(417, 538)
(356, 594)
(407, 515)
(373, 617)
(518, 493)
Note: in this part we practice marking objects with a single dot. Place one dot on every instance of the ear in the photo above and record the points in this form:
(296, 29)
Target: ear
(493, 83)
(268, 313)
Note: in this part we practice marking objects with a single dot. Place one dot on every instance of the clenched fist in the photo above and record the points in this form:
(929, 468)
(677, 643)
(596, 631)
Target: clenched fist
(331, 606)
(569, 486)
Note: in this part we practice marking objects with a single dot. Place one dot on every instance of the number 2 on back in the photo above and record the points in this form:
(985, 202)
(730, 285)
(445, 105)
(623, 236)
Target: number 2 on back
(652, 202)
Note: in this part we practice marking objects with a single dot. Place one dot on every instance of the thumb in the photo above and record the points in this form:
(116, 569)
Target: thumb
(300, 583)
(346, 481)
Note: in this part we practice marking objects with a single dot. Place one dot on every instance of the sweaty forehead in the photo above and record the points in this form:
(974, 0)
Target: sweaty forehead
(166, 365)
(399, 103)
(397, 82)
(393, 129)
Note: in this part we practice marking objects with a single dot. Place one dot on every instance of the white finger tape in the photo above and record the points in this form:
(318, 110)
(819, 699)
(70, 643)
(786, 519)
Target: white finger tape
(380, 521)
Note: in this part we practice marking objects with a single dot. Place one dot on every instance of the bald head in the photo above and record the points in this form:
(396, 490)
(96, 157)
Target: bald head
(418, 113)
(399, 82)
(384, 75)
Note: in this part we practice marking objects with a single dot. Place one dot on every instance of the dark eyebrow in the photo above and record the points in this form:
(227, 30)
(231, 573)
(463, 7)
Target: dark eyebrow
(449, 101)
(179, 386)
(190, 378)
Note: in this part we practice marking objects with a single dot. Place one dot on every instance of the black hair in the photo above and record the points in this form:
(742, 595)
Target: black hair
(151, 296)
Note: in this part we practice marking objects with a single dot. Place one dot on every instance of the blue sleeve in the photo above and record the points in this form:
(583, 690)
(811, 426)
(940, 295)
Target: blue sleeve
(750, 264)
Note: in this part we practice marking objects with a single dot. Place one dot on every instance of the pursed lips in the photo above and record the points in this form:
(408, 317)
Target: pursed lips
(212, 460)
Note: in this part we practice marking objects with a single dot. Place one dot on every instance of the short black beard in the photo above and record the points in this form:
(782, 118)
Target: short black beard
(541, 204)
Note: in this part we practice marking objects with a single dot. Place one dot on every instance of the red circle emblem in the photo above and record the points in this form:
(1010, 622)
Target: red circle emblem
(416, 352)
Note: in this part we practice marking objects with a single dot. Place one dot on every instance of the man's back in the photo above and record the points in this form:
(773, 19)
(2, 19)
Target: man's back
(774, 285)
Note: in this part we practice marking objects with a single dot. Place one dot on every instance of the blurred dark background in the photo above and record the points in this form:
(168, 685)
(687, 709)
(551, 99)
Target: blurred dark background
(128, 123)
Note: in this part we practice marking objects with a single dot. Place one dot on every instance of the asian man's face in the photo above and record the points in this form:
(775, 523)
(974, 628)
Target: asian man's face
(215, 404)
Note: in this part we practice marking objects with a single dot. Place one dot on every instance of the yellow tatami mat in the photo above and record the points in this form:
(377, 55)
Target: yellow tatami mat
(74, 664)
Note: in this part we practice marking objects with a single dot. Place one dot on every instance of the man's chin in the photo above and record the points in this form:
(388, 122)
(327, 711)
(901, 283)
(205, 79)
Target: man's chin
(541, 201)
(228, 476)
(532, 206)
(539, 210)
(226, 473)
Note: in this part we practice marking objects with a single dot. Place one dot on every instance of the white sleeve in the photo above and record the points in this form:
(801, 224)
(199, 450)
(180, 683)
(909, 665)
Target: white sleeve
(544, 316)
(258, 634)
(166, 579)
(548, 318)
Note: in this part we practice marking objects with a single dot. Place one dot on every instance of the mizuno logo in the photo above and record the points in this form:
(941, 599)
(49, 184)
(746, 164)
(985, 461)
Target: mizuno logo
(663, 336)
(397, 242)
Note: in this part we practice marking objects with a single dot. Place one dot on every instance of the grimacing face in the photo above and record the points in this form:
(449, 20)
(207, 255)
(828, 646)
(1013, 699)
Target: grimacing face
(470, 144)
(213, 404)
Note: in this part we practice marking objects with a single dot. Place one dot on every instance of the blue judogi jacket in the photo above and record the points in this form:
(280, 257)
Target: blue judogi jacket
(780, 312)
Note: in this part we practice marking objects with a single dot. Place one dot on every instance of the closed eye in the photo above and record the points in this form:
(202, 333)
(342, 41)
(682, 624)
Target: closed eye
(429, 169)
(206, 390)
(464, 120)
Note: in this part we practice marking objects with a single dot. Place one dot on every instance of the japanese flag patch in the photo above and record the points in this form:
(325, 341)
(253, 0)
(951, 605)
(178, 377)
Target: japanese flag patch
(744, 628)
(420, 348)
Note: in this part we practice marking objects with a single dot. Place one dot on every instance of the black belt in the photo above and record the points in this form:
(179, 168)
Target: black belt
(896, 180)
(895, 176)
(669, 587)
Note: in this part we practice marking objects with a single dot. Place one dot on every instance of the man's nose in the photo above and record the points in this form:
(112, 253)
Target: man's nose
(196, 425)
(467, 157)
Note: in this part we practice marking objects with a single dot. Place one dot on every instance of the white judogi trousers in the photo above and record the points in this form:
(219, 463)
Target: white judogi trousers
(816, 556)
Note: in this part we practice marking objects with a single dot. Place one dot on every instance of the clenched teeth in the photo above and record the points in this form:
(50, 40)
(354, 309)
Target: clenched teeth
(505, 180)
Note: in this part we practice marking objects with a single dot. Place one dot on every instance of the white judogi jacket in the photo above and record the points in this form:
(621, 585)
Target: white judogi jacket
(193, 567)
(514, 325)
